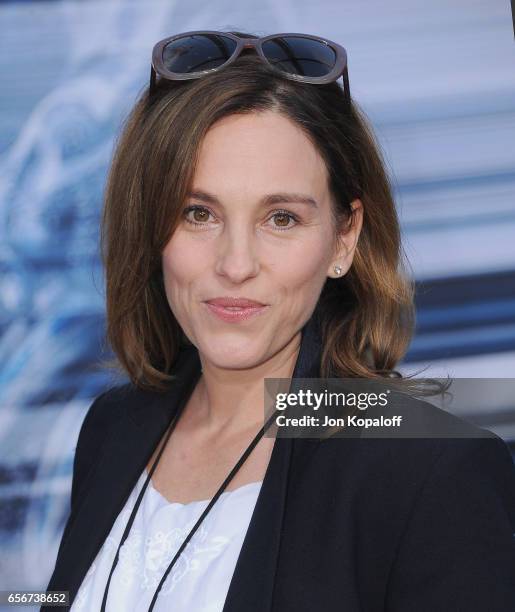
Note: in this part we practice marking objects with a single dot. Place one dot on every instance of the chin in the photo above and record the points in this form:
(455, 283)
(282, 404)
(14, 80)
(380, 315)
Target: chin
(235, 355)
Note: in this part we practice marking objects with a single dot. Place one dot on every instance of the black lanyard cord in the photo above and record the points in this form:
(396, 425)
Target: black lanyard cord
(132, 517)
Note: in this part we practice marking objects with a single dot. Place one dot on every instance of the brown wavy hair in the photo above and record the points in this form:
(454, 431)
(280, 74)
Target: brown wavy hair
(367, 316)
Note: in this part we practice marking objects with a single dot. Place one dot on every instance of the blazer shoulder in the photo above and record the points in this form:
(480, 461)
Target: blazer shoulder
(440, 439)
(105, 412)
(451, 437)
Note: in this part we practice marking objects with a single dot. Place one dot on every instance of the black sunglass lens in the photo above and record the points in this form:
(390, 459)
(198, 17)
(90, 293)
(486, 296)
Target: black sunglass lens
(302, 56)
(197, 52)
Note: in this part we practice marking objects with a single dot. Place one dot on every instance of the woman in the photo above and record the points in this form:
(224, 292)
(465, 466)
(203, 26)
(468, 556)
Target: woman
(249, 232)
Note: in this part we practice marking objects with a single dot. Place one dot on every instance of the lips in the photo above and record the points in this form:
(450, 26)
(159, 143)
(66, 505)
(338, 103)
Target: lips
(232, 310)
(229, 302)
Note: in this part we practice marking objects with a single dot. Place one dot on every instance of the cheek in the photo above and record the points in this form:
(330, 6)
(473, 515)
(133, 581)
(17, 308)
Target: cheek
(304, 265)
(180, 265)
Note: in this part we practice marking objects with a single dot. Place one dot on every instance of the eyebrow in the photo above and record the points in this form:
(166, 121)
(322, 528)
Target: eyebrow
(272, 198)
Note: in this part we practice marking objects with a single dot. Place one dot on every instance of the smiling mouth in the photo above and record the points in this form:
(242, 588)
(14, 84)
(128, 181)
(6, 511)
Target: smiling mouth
(235, 313)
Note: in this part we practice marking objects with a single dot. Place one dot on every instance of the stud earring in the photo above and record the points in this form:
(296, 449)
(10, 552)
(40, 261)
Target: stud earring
(337, 270)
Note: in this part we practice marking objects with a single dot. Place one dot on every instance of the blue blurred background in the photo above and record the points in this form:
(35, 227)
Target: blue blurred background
(437, 81)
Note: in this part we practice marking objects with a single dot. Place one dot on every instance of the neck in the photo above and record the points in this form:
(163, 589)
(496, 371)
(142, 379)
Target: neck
(231, 401)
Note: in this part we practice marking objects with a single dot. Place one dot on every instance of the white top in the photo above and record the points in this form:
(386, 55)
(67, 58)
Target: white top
(199, 580)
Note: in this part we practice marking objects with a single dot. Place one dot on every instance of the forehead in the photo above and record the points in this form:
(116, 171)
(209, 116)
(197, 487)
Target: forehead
(257, 150)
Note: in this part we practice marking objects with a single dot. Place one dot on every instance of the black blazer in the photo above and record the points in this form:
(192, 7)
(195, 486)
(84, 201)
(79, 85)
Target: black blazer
(347, 525)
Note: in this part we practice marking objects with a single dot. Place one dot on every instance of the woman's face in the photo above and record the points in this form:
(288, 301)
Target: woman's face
(249, 236)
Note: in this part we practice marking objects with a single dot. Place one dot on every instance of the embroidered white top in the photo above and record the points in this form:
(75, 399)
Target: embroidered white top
(200, 578)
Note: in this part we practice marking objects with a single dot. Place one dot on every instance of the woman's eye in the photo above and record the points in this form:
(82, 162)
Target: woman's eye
(282, 220)
(199, 217)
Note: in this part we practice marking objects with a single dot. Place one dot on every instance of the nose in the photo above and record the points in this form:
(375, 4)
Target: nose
(236, 259)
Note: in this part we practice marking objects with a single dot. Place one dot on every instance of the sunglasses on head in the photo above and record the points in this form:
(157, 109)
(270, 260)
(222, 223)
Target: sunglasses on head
(299, 57)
